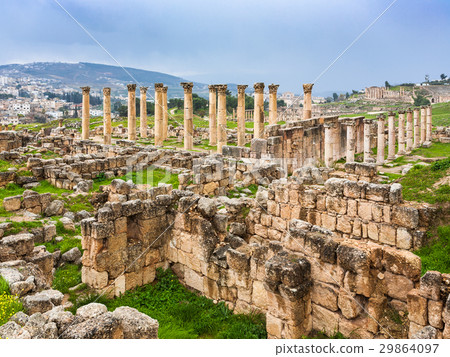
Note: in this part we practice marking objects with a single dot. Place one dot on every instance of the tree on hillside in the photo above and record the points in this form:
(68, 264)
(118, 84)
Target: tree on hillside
(427, 78)
(347, 95)
(281, 103)
(387, 84)
(335, 97)
(420, 100)
(443, 76)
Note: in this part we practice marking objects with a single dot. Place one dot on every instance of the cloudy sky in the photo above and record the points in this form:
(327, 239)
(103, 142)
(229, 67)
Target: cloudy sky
(289, 42)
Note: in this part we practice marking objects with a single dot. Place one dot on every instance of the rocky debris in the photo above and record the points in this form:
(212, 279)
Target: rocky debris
(68, 224)
(72, 256)
(427, 333)
(207, 207)
(238, 229)
(94, 322)
(56, 208)
(43, 301)
(16, 246)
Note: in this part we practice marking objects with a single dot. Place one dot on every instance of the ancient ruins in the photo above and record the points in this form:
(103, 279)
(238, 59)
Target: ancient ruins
(315, 248)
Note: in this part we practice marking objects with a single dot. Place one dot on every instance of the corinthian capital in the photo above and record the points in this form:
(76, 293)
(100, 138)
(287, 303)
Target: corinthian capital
(222, 89)
(107, 91)
(241, 88)
(159, 87)
(165, 89)
(86, 90)
(212, 87)
(259, 87)
(131, 87)
(307, 88)
(273, 88)
(187, 86)
(143, 90)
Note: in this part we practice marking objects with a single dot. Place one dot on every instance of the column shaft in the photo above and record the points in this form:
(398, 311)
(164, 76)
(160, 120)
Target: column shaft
(212, 115)
(367, 152)
(401, 132)
(158, 114)
(307, 101)
(165, 123)
(107, 116)
(391, 136)
(258, 130)
(350, 157)
(241, 115)
(188, 116)
(131, 112)
(429, 124)
(423, 123)
(222, 117)
(416, 128)
(273, 115)
(380, 140)
(409, 130)
(329, 144)
(143, 114)
(85, 114)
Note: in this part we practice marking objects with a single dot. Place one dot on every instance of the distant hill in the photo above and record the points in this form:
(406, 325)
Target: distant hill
(97, 76)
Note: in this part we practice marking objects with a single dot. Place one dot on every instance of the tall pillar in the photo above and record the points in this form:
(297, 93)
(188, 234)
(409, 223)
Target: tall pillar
(221, 117)
(60, 123)
(329, 144)
(401, 132)
(159, 114)
(212, 115)
(107, 116)
(409, 130)
(273, 115)
(241, 115)
(143, 121)
(429, 124)
(350, 147)
(391, 136)
(423, 123)
(416, 128)
(367, 140)
(258, 130)
(307, 106)
(188, 115)
(165, 123)
(131, 112)
(85, 114)
(380, 139)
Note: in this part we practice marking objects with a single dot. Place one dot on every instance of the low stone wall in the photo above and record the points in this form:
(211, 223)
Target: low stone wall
(30, 201)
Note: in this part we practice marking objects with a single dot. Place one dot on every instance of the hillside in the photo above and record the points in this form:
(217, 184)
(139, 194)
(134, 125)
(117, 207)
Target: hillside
(96, 76)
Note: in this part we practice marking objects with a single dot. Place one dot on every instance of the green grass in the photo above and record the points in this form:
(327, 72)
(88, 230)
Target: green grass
(441, 114)
(436, 254)
(418, 183)
(4, 286)
(66, 277)
(78, 203)
(235, 193)
(19, 227)
(185, 314)
(148, 176)
(47, 187)
(9, 305)
(64, 246)
(435, 150)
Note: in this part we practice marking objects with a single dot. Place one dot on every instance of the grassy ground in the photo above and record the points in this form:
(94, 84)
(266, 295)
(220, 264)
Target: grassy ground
(441, 114)
(185, 314)
(9, 304)
(66, 277)
(435, 255)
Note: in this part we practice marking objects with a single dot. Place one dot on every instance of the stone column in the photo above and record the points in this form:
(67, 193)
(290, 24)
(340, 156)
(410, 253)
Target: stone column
(391, 136)
(143, 109)
(131, 112)
(221, 117)
(165, 124)
(429, 124)
(85, 114)
(241, 115)
(329, 144)
(307, 106)
(273, 117)
(416, 128)
(61, 123)
(107, 116)
(212, 115)
(188, 115)
(423, 123)
(258, 130)
(380, 139)
(350, 152)
(367, 140)
(401, 132)
(158, 114)
(409, 130)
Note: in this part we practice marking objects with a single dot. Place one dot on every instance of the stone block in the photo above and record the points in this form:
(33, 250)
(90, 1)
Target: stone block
(324, 320)
(274, 326)
(365, 210)
(325, 295)
(430, 285)
(405, 216)
(350, 304)
(388, 234)
(404, 238)
(435, 313)
(12, 203)
(402, 262)
(417, 308)
(397, 286)
(336, 205)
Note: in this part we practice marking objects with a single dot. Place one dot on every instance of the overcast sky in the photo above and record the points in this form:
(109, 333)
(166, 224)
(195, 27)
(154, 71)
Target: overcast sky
(288, 42)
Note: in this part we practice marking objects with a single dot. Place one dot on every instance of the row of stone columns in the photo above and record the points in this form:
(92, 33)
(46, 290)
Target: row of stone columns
(6, 127)
(407, 139)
